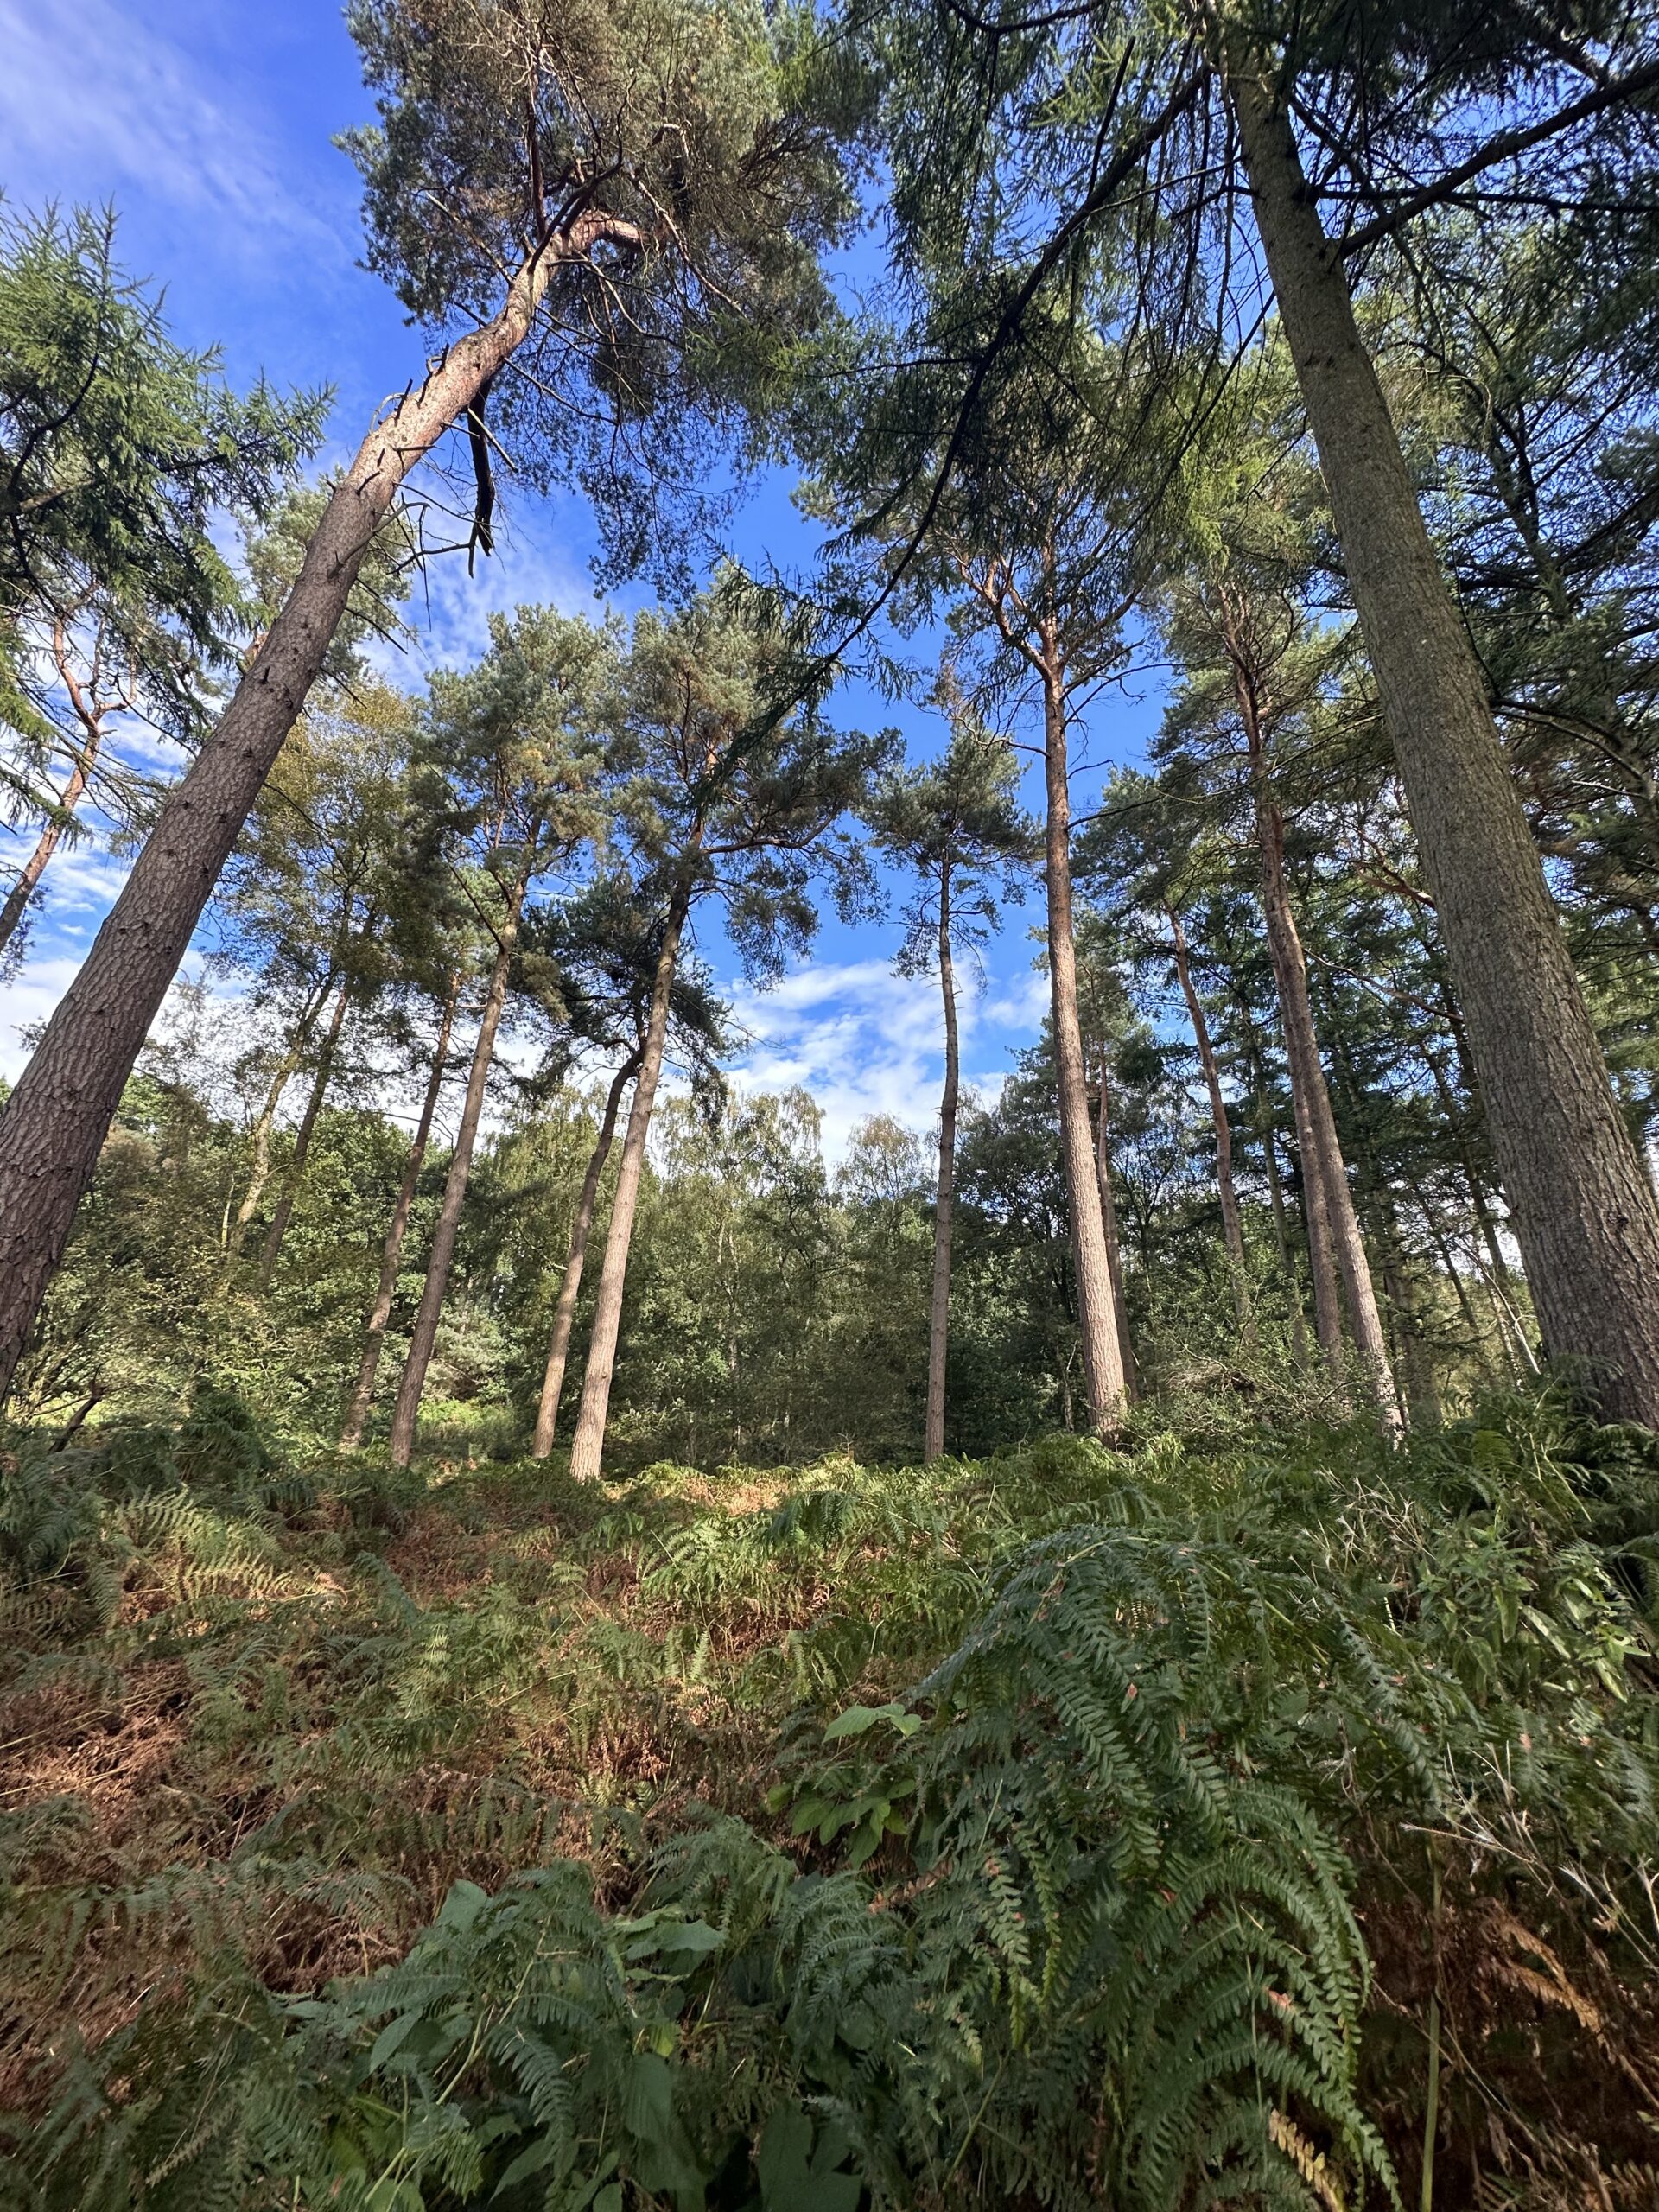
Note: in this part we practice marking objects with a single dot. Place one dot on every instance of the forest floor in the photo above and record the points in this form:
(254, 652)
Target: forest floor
(1376, 1737)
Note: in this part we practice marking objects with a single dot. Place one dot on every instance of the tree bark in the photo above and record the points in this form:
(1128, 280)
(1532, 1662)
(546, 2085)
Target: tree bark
(1264, 1123)
(55, 1121)
(1331, 1216)
(271, 1249)
(939, 1334)
(1097, 1315)
(547, 1413)
(588, 1444)
(1584, 1212)
(357, 1411)
(424, 1334)
(1109, 1225)
(1231, 1227)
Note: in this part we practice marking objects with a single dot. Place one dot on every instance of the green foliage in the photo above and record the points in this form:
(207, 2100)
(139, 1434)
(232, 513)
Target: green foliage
(1061, 1827)
(116, 445)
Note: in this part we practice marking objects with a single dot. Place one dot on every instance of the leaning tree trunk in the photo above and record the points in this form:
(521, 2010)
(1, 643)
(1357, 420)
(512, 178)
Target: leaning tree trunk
(1102, 1360)
(55, 1121)
(1231, 1228)
(588, 1444)
(938, 1330)
(445, 1236)
(271, 1249)
(1109, 1226)
(357, 1411)
(1584, 1212)
(564, 1314)
(1322, 1160)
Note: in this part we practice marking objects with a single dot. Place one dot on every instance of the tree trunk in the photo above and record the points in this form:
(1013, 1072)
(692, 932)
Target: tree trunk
(1109, 1225)
(1097, 1317)
(1584, 1212)
(55, 1122)
(939, 1334)
(1417, 1369)
(1231, 1227)
(424, 1334)
(357, 1411)
(17, 898)
(259, 1171)
(547, 1413)
(1437, 1237)
(1264, 1123)
(273, 1244)
(588, 1444)
(1323, 1166)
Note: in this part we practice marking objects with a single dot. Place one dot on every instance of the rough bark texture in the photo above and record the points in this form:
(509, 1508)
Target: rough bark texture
(1103, 1358)
(391, 1252)
(587, 1446)
(547, 1413)
(55, 1122)
(424, 1334)
(270, 1250)
(1231, 1227)
(1583, 1211)
(939, 1334)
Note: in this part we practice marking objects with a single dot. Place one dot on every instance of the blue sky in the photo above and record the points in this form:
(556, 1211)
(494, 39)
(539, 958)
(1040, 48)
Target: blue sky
(208, 123)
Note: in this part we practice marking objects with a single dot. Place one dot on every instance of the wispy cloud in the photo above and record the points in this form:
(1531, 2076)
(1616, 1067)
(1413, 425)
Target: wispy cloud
(102, 97)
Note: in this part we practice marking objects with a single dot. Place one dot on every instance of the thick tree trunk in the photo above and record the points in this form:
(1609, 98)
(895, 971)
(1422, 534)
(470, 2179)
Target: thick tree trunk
(547, 1413)
(1109, 1225)
(391, 1253)
(588, 1444)
(1322, 1162)
(939, 1334)
(271, 1249)
(55, 1122)
(1583, 1211)
(424, 1334)
(1102, 1359)
(1231, 1227)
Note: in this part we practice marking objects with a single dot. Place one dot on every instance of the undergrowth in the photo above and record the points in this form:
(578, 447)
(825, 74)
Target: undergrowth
(1136, 1829)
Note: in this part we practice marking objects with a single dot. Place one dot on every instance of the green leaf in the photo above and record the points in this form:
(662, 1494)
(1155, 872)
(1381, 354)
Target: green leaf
(792, 2180)
(462, 1905)
(648, 2098)
(392, 2038)
(859, 1718)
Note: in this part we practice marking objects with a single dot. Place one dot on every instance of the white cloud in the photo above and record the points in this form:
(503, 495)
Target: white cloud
(450, 611)
(862, 1041)
(97, 94)
(26, 1001)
